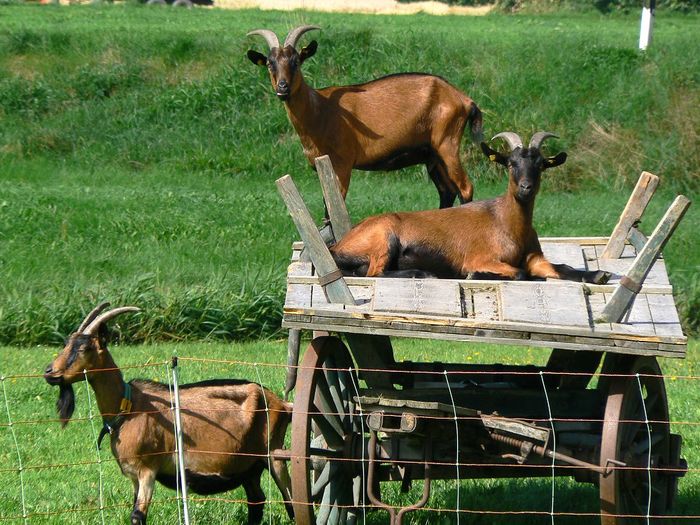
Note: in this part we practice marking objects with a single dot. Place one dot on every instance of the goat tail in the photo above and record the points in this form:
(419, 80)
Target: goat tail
(476, 121)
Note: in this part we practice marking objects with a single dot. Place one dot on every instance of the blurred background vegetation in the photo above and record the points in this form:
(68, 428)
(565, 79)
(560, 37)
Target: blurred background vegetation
(139, 149)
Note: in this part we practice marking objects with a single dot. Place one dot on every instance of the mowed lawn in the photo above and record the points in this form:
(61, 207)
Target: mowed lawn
(62, 477)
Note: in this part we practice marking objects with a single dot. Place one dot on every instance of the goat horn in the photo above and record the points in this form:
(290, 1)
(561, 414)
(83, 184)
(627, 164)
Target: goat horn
(91, 316)
(513, 139)
(269, 36)
(295, 34)
(539, 137)
(94, 325)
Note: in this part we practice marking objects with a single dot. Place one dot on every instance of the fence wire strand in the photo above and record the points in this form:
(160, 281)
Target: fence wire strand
(552, 421)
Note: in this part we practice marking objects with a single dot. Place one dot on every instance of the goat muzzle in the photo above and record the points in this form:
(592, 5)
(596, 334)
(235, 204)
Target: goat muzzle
(51, 377)
(283, 90)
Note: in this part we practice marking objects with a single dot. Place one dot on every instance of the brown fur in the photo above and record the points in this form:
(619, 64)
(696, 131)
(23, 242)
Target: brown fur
(225, 428)
(389, 123)
(493, 237)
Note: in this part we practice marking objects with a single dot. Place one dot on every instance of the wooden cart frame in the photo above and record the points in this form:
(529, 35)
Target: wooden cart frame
(493, 420)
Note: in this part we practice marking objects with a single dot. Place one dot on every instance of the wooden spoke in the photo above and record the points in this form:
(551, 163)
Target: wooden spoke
(624, 493)
(325, 434)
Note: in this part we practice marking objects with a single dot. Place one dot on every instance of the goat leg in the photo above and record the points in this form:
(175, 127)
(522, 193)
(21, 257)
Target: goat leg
(280, 475)
(256, 498)
(538, 266)
(143, 491)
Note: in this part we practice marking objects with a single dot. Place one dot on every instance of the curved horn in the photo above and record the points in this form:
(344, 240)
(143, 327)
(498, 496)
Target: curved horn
(539, 137)
(513, 139)
(295, 34)
(269, 36)
(94, 325)
(91, 316)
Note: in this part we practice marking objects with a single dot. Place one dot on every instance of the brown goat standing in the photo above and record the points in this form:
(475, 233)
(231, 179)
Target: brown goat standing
(489, 238)
(225, 423)
(386, 124)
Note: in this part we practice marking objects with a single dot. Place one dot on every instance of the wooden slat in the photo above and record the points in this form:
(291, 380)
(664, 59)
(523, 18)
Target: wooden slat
(335, 204)
(298, 296)
(560, 303)
(484, 336)
(421, 296)
(564, 253)
(663, 312)
(637, 203)
(337, 291)
(636, 238)
(637, 320)
(618, 303)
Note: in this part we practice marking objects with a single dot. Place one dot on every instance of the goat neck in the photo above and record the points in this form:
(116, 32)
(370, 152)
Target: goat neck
(303, 109)
(515, 212)
(108, 384)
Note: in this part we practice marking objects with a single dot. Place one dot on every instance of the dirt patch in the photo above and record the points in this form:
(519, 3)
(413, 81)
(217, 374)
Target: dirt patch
(383, 7)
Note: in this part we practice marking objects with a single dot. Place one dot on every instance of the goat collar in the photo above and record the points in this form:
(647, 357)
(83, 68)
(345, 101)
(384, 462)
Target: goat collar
(110, 425)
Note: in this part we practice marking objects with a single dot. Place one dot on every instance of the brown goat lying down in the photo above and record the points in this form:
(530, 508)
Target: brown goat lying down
(490, 238)
(385, 124)
(224, 421)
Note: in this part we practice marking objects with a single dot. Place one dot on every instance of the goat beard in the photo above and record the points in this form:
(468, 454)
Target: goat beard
(65, 405)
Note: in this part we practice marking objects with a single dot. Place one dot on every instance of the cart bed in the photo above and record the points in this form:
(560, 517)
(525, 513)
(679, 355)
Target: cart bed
(537, 313)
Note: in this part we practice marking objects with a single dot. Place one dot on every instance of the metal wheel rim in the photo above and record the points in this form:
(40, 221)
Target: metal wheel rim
(325, 491)
(624, 493)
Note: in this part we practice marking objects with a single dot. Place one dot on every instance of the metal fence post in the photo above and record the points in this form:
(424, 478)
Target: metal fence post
(178, 435)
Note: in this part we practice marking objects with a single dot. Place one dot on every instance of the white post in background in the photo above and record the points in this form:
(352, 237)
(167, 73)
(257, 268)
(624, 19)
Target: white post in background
(647, 19)
(180, 453)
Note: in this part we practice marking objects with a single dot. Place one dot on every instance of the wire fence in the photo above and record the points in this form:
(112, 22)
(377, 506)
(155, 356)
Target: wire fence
(40, 467)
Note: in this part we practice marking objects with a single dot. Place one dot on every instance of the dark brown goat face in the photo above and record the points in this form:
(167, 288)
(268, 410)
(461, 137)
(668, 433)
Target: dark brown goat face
(284, 66)
(81, 353)
(525, 167)
(85, 350)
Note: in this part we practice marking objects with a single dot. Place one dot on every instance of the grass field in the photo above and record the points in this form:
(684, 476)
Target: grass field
(138, 153)
(71, 488)
(138, 149)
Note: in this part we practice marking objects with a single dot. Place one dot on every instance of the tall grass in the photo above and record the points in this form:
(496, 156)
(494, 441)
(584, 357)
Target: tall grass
(138, 149)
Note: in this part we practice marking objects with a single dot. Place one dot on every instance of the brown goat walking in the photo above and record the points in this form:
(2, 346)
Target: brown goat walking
(488, 238)
(386, 124)
(225, 423)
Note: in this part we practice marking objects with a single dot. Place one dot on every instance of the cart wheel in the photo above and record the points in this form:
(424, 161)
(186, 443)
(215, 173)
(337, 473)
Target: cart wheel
(624, 493)
(326, 430)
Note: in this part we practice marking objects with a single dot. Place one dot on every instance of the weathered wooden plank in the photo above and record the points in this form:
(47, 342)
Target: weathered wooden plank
(298, 296)
(637, 203)
(560, 303)
(564, 253)
(591, 257)
(664, 315)
(636, 238)
(293, 343)
(335, 204)
(330, 324)
(619, 267)
(337, 290)
(300, 269)
(619, 302)
(421, 296)
(438, 324)
(637, 320)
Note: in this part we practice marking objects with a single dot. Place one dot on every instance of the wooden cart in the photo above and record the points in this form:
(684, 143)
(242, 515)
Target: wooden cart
(425, 421)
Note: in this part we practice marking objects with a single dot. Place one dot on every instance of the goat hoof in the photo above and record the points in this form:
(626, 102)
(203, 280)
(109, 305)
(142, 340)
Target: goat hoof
(138, 518)
(520, 276)
(600, 277)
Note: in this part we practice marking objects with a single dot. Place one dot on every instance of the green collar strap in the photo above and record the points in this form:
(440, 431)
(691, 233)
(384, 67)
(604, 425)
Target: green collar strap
(111, 425)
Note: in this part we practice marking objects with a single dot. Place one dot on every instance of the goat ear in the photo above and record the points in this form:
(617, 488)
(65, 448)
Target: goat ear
(308, 51)
(493, 155)
(557, 160)
(257, 58)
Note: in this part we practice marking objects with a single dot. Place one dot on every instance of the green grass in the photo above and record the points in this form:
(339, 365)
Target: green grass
(138, 149)
(68, 489)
